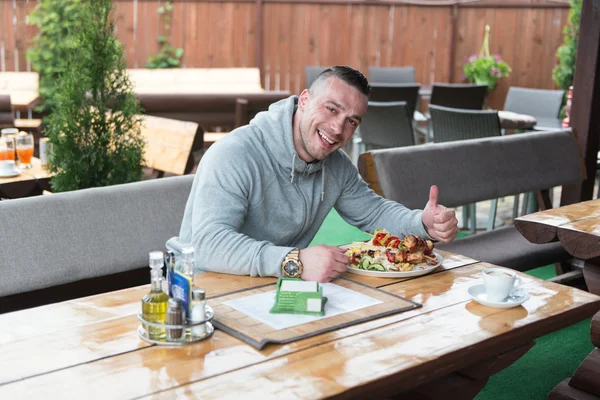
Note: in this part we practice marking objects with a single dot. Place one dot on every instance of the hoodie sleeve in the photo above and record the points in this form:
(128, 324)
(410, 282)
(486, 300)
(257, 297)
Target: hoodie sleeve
(360, 206)
(219, 202)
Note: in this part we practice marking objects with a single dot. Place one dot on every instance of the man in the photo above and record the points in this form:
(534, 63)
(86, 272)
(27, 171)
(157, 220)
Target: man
(262, 192)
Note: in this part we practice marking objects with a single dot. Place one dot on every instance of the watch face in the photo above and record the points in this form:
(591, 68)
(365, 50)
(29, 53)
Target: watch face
(291, 268)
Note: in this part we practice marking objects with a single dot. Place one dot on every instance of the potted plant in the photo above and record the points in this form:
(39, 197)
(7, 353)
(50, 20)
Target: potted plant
(94, 126)
(483, 68)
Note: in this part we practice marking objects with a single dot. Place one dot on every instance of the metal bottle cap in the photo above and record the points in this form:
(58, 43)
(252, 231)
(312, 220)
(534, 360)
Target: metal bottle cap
(174, 303)
(198, 294)
(156, 259)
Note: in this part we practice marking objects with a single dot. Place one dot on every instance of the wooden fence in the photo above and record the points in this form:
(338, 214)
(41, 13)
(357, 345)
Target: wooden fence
(282, 36)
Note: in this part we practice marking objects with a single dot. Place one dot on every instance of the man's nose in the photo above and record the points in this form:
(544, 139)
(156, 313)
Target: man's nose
(337, 124)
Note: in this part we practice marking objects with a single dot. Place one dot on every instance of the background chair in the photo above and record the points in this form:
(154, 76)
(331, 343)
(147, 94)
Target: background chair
(384, 125)
(451, 124)
(458, 95)
(544, 105)
(392, 74)
(311, 73)
(394, 92)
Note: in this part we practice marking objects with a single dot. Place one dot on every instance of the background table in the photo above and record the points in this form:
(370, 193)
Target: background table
(29, 182)
(448, 347)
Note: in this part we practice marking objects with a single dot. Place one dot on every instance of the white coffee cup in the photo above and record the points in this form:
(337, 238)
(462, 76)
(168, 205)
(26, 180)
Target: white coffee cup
(7, 167)
(499, 283)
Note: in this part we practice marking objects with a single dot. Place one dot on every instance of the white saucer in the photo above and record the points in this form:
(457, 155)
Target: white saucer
(517, 297)
(10, 174)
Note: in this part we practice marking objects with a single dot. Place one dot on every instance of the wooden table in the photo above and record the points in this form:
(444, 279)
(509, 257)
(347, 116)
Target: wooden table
(29, 182)
(448, 347)
(23, 100)
(577, 227)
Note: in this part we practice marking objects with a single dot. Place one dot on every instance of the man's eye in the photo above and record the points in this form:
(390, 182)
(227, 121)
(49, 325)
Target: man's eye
(353, 122)
(331, 109)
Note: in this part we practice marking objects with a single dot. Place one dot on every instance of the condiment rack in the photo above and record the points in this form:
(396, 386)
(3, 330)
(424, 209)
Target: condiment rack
(186, 337)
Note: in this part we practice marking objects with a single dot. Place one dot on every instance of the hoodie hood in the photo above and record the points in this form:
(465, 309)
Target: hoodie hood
(276, 126)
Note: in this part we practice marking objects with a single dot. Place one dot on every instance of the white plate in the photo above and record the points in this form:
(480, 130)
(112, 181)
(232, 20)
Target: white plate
(517, 297)
(418, 271)
(13, 173)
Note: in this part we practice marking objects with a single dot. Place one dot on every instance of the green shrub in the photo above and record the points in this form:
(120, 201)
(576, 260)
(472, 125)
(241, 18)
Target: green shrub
(95, 126)
(56, 21)
(567, 53)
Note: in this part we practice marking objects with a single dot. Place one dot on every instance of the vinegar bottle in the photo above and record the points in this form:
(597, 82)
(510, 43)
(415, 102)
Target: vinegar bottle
(154, 304)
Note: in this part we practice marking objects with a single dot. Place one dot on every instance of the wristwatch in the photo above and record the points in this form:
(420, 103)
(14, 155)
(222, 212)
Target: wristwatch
(291, 267)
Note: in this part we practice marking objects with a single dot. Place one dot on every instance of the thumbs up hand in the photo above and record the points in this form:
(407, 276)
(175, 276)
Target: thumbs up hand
(440, 222)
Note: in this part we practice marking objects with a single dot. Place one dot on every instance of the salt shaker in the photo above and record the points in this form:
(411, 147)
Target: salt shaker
(198, 312)
(175, 316)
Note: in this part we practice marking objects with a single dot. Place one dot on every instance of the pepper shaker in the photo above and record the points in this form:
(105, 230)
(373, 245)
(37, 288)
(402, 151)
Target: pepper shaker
(175, 316)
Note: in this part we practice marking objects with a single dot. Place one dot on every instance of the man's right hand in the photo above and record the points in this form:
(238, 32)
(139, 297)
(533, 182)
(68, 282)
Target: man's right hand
(323, 263)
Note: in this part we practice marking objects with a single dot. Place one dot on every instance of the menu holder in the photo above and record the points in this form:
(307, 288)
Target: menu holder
(258, 334)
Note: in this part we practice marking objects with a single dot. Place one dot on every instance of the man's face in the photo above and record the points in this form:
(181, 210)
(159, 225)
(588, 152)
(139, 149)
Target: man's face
(327, 118)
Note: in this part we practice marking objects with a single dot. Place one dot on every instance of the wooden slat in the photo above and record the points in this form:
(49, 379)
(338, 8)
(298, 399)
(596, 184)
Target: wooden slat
(587, 375)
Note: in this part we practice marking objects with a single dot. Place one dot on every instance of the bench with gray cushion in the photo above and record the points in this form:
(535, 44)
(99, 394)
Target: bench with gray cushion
(72, 244)
(474, 170)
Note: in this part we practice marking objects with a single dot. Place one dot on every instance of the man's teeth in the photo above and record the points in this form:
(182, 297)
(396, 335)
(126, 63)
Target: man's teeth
(325, 138)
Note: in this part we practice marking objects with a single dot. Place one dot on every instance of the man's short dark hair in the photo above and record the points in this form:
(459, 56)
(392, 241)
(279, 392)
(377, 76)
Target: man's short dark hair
(349, 75)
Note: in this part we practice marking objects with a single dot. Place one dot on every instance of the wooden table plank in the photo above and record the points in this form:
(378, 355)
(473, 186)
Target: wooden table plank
(71, 314)
(542, 227)
(157, 368)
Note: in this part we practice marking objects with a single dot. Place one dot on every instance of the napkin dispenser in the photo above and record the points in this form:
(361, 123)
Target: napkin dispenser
(295, 296)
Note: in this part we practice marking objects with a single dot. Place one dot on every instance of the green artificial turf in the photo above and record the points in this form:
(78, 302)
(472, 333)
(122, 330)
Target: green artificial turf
(554, 357)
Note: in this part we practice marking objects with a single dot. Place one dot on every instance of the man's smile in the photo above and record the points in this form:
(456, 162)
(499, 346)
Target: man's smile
(326, 138)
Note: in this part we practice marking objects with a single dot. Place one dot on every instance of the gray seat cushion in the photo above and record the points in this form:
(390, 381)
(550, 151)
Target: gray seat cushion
(508, 248)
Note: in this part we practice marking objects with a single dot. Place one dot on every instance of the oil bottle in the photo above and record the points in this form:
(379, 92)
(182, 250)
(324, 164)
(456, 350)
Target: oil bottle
(154, 304)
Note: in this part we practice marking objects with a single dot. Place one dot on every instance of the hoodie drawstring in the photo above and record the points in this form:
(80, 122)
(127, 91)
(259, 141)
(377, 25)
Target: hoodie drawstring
(293, 166)
(323, 181)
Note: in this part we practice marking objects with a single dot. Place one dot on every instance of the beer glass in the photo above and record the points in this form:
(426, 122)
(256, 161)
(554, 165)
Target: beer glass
(25, 149)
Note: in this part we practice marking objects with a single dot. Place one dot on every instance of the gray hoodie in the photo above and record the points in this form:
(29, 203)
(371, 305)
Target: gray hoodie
(253, 199)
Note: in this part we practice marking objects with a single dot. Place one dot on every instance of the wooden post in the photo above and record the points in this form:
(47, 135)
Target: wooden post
(241, 112)
(585, 118)
(259, 39)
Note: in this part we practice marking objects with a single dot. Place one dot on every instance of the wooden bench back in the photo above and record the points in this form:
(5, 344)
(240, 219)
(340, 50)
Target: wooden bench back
(196, 80)
(19, 81)
(468, 171)
(169, 144)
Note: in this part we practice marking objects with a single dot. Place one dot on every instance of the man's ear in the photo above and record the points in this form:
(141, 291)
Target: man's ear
(303, 99)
